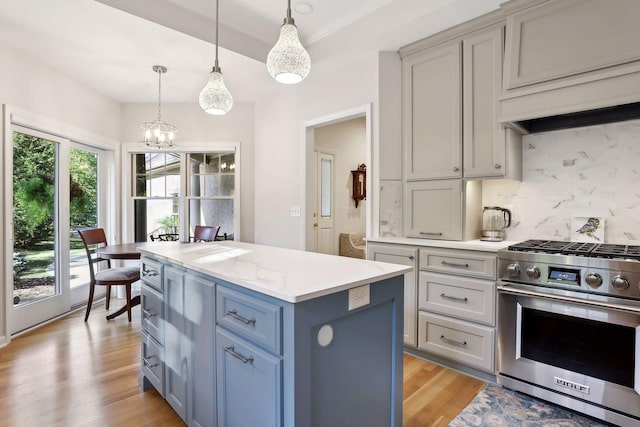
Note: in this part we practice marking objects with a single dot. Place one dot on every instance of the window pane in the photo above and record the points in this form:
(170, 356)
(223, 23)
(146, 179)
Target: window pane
(212, 212)
(155, 217)
(325, 187)
(83, 167)
(35, 184)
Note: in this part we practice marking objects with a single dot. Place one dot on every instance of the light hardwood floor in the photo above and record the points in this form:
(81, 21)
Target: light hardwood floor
(71, 373)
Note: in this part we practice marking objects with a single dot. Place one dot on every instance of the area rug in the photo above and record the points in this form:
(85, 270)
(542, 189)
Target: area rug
(497, 406)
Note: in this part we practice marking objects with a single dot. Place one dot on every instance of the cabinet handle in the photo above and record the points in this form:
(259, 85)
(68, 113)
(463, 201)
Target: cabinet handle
(149, 273)
(430, 233)
(497, 165)
(455, 264)
(232, 351)
(148, 363)
(233, 313)
(465, 299)
(410, 257)
(456, 169)
(448, 341)
(148, 313)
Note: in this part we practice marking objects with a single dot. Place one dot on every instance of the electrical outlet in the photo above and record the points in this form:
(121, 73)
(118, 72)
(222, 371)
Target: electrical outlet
(359, 297)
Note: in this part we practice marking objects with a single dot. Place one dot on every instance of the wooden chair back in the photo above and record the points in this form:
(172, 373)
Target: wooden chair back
(205, 233)
(93, 238)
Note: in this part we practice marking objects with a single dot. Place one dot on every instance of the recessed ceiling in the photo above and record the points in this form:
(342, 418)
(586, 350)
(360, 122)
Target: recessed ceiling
(111, 45)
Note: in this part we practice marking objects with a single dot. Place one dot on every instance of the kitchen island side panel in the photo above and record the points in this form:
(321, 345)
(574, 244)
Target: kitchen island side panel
(357, 378)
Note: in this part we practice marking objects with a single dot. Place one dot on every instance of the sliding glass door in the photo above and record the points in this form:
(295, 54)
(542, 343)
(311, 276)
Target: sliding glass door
(54, 193)
(38, 232)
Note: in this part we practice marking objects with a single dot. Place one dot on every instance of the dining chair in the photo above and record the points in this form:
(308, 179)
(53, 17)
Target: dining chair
(93, 238)
(205, 233)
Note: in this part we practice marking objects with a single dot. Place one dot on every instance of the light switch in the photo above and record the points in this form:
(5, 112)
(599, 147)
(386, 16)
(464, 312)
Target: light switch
(295, 210)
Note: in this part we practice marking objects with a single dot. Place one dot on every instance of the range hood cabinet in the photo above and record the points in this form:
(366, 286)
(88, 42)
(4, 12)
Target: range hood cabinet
(570, 63)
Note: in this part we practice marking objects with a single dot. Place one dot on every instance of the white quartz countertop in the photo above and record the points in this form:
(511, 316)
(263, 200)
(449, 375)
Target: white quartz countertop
(470, 245)
(286, 274)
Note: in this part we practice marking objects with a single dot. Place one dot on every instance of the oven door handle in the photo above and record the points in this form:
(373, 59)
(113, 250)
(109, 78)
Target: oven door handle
(505, 289)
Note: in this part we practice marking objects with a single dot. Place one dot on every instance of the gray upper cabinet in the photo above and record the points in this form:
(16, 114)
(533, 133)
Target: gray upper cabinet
(483, 137)
(432, 112)
(450, 110)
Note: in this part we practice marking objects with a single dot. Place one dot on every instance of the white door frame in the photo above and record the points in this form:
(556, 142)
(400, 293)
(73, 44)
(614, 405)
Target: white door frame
(308, 176)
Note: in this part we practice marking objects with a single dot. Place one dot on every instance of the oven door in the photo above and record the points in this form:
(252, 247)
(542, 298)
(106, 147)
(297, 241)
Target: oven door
(588, 349)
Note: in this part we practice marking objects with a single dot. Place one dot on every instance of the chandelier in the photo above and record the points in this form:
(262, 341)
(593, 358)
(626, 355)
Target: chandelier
(158, 134)
(288, 61)
(215, 98)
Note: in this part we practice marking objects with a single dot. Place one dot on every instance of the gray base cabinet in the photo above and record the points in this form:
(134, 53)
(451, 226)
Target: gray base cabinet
(234, 357)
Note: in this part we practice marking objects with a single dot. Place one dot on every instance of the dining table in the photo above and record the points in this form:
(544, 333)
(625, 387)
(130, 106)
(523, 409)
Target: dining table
(125, 251)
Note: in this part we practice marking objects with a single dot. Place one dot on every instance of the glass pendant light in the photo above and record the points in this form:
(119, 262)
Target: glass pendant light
(158, 134)
(215, 98)
(288, 61)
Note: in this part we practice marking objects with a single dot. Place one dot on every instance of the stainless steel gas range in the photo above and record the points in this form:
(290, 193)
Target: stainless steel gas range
(569, 326)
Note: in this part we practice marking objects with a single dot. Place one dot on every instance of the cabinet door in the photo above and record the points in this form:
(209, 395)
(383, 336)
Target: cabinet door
(177, 345)
(199, 307)
(431, 114)
(403, 256)
(433, 209)
(249, 384)
(483, 137)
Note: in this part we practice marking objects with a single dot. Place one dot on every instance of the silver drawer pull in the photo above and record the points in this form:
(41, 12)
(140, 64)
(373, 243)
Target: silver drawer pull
(148, 313)
(149, 273)
(448, 341)
(465, 299)
(232, 351)
(430, 233)
(148, 363)
(233, 313)
(455, 264)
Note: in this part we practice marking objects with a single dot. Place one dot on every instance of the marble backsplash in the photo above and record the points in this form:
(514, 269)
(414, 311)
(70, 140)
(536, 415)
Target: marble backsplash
(584, 172)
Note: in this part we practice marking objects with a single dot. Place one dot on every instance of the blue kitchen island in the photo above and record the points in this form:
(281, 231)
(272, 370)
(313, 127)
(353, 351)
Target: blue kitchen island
(236, 334)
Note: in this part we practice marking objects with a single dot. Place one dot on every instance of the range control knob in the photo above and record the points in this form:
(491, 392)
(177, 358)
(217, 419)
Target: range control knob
(619, 283)
(594, 280)
(533, 272)
(513, 270)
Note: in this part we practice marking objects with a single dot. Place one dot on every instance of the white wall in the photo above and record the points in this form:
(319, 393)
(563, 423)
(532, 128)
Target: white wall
(197, 128)
(31, 86)
(590, 171)
(347, 142)
(279, 140)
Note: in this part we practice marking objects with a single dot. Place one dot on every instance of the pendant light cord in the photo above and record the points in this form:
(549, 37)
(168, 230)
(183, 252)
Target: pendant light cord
(215, 66)
(159, 94)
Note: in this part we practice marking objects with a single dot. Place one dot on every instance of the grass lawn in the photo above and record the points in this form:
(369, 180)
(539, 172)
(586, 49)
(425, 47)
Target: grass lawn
(40, 256)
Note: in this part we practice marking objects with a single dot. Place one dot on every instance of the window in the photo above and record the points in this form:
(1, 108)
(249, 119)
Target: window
(174, 192)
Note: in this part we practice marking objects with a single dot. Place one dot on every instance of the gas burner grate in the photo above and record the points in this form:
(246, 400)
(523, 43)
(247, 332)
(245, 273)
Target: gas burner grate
(595, 250)
(616, 251)
(578, 248)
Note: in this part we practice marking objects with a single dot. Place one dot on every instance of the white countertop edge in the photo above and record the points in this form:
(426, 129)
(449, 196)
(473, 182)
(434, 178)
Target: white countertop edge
(188, 255)
(471, 245)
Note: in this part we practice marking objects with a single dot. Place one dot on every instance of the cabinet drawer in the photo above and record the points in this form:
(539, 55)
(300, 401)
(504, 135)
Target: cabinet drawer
(464, 263)
(468, 299)
(151, 273)
(457, 340)
(153, 362)
(250, 317)
(152, 312)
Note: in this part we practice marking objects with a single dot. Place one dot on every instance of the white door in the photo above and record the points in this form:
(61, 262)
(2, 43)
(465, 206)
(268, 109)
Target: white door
(325, 205)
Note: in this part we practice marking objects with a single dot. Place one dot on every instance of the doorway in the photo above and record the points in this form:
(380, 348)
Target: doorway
(327, 135)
